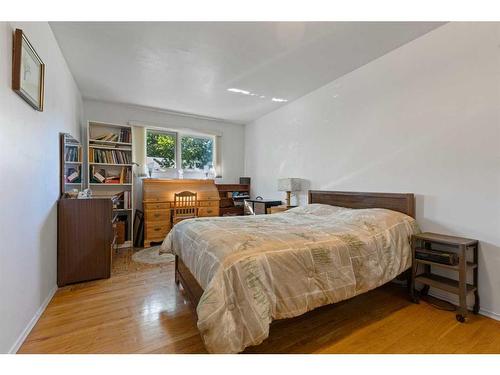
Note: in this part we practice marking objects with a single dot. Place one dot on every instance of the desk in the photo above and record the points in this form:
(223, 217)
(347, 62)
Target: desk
(158, 201)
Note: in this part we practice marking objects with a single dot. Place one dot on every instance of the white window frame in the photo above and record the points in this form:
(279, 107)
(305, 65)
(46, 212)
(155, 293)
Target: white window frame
(178, 147)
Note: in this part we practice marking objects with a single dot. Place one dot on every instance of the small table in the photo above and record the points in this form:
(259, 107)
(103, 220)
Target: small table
(460, 287)
(260, 206)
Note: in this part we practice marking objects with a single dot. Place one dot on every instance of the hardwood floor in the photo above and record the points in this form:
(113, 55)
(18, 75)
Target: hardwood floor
(140, 310)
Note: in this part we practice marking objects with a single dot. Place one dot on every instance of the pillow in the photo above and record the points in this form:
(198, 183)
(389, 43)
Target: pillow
(317, 209)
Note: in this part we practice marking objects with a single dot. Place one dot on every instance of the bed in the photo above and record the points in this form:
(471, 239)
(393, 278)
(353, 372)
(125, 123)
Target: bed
(242, 273)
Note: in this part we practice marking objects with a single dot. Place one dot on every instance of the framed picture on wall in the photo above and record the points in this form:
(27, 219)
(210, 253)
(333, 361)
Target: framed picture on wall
(28, 71)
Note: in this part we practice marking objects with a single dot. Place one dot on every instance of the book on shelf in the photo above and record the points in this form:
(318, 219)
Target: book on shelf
(125, 135)
(126, 199)
(109, 156)
(122, 200)
(73, 176)
(125, 175)
(99, 177)
(108, 137)
(73, 153)
(117, 200)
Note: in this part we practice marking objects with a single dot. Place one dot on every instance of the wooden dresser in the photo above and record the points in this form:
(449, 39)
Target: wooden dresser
(158, 201)
(85, 240)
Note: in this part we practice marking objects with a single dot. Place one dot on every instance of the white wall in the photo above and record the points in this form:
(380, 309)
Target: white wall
(232, 134)
(29, 161)
(424, 118)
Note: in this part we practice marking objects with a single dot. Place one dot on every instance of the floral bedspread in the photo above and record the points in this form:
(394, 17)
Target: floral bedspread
(255, 269)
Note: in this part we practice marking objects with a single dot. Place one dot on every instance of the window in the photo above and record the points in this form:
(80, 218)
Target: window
(195, 151)
(161, 146)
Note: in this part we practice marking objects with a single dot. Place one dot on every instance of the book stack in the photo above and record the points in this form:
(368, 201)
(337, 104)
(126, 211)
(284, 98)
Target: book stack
(109, 156)
(112, 180)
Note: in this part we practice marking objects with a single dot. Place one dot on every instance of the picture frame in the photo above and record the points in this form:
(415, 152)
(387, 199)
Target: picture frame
(28, 71)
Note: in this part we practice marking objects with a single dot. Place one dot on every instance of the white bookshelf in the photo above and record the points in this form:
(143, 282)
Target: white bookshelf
(102, 158)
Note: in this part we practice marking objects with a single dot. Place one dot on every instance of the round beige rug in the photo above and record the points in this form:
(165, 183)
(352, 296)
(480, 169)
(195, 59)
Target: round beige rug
(152, 255)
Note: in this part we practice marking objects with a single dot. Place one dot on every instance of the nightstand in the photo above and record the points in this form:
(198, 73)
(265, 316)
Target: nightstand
(465, 250)
(276, 209)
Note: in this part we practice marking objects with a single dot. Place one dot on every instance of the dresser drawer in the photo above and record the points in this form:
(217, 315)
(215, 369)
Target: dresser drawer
(208, 211)
(158, 215)
(211, 203)
(157, 230)
(156, 206)
(208, 203)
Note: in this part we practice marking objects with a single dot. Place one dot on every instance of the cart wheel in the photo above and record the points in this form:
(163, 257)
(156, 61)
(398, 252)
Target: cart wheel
(460, 318)
(425, 290)
(475, 309)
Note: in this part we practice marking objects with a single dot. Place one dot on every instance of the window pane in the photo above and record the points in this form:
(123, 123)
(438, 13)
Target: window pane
(161, 147)
(196, 152)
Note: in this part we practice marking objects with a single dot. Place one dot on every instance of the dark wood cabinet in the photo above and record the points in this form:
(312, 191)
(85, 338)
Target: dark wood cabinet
(232, 198)
(85, 237)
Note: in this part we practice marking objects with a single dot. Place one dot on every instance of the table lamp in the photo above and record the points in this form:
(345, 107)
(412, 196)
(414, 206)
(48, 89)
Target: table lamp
(288, 185)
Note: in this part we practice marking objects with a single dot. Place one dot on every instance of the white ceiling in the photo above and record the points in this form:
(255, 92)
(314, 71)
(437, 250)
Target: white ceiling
(189, 66)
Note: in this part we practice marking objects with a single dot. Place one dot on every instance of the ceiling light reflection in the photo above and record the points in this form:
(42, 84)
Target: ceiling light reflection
(239, 91)
(279, 100)
(249, 93)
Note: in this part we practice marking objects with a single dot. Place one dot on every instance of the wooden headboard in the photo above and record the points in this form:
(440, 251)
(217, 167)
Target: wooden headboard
(401, 202)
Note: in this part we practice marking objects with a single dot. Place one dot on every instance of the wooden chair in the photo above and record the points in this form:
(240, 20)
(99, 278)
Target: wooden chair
(185, 206)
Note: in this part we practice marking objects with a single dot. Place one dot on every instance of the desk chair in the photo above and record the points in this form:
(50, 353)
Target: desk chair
(185, 206)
